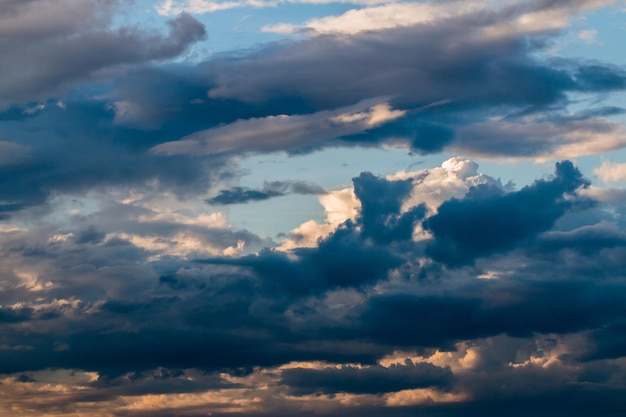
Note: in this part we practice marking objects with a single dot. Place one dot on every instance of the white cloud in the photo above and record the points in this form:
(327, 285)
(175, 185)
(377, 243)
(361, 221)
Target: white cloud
(174, 7)
(540, 139)
(605, 195)
(588, 36)
(431, 187)
(339, 206)
(531, 17)
(434, 186)
(380, 17)
(423, 396)
(611, 172)
(184, 244)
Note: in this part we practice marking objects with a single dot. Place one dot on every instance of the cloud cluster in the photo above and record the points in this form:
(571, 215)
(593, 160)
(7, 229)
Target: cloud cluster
(370, 318)
(96, 109)
(125, 292)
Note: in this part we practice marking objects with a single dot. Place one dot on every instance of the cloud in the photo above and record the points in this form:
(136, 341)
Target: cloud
(588, 36)
(369, 380)
(610, 171)
(174, 7)
(480, 95)
(339, 206)
(477, 87)
(486, 220)
(73, 43)
(381, 17)
(421, 191)
(242, 195)
(321, 325)
(541, 138)
(12, 153)
(529, 18)
(434, 292)
(282, 132)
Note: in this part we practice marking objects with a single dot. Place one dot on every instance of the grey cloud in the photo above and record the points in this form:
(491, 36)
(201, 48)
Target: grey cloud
(242, 195)
(64, 154)
(89, 235)
(284, 132)
(372, 380)
(32, 19)
(451, 98)
(488, 220)
(469, 70)
(56, 62)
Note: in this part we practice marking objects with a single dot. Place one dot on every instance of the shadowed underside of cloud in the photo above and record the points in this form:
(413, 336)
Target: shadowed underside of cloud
(488, 221)
(373, 380)
(242, 195)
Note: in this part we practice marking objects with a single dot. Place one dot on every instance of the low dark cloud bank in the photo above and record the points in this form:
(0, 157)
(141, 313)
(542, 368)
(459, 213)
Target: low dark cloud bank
(235, 315)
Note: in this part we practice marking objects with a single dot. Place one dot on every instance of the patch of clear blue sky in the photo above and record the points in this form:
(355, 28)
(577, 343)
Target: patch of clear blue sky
(240, 28)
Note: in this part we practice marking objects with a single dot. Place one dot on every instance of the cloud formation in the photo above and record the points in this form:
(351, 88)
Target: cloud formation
(127, 290)
(242, 195)
(365, 305)
(62, 44)
(459, 225)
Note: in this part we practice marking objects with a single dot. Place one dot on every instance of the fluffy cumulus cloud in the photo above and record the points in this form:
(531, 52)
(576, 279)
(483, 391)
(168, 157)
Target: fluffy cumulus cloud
(127, 289)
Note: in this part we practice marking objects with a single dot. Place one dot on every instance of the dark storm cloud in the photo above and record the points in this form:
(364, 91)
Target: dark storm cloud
(236, 314)
(587, 241)
(248, 304)
(475, 312)
(357, 253)
(242, 195)
(11, 315)
(372, 380)
(381, 200)
(488, 221)
(76, 142)
(342, 260)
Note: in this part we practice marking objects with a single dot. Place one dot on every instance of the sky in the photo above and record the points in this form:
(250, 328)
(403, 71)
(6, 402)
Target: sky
(312, 208)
